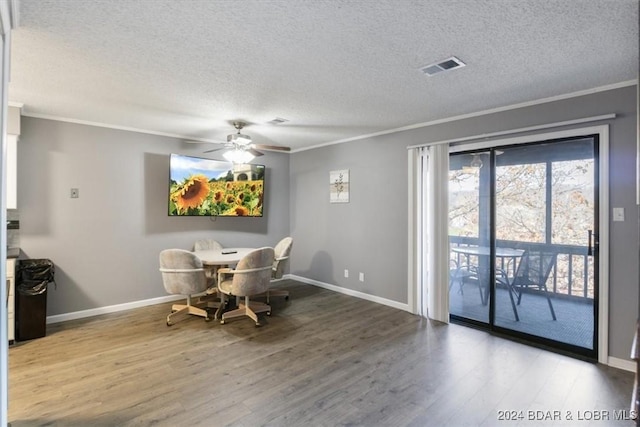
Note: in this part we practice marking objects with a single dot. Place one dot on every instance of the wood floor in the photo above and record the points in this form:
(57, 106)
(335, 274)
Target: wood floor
(321, 359)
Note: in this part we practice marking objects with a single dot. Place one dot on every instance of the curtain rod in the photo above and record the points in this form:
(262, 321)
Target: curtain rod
(520, 130)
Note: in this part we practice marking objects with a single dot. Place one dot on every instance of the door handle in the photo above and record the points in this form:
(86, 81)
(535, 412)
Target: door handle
(594, 243)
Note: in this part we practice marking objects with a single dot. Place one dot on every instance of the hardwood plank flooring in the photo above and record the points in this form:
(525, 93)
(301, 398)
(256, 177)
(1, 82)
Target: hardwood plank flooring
(321, 359)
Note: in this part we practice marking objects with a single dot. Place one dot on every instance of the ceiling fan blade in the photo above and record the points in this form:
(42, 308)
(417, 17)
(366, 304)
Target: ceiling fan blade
(193, 141)
(255, 152)
(215, 149)
(272, 147)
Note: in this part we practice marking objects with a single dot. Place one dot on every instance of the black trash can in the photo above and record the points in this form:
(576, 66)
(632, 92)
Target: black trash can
(34, 276)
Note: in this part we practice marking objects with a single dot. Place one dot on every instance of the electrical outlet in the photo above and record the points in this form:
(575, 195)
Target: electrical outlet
(346, 273)
(361, 277)
(75, 193)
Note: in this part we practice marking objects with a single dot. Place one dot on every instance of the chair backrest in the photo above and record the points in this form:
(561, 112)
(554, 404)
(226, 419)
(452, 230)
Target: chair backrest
(281, 253)
(534, 268)
(252, 274)
(182, 272)
(206, 244)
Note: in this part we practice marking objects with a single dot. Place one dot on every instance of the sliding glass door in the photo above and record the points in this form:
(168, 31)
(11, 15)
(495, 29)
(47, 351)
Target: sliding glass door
(523, 240)
(469, 234)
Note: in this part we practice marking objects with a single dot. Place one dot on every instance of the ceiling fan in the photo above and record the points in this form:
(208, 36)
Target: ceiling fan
(240, 148)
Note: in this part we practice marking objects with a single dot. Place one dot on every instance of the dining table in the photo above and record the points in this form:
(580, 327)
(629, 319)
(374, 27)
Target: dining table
(213, 259)
(486, 251)
(222, 257)
(483, 253)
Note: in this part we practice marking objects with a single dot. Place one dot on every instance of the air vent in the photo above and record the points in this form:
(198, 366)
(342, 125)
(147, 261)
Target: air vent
(446, 65)
(277, 121)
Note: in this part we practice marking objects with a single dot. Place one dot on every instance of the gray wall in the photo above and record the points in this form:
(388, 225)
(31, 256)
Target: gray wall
(369, 234)
(105, 244)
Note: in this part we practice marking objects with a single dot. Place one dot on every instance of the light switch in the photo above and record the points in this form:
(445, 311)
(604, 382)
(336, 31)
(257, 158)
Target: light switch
(618, 214)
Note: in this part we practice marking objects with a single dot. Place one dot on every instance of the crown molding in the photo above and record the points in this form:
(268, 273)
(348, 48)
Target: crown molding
(478, 113)
(355, 138)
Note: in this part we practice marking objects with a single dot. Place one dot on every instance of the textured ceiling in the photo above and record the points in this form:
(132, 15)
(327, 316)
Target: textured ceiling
(335, 69)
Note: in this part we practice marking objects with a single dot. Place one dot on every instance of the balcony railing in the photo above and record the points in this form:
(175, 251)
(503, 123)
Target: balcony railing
(571, 276)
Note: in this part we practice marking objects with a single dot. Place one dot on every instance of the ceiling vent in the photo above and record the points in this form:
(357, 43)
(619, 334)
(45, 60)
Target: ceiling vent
(277, 121)
(446, 65)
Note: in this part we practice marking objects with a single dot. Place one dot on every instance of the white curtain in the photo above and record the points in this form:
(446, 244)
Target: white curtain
(8, 19)
(429, 231)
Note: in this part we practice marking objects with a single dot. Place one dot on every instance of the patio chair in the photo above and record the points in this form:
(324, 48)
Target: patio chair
(532, 273)
(459, 274)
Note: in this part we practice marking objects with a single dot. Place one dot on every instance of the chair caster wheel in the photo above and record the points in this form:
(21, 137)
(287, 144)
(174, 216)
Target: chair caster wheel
(257, 324)
(268, 313)
(222, 322)
(169, 323)
(208, 319)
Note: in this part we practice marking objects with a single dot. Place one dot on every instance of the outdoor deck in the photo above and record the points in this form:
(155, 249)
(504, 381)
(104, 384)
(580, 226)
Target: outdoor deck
(574, 324)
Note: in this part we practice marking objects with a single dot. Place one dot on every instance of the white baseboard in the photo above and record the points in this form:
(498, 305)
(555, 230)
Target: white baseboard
(143, 303)
(350, 292)
(624, 364)
(111, 308)
(614, 362)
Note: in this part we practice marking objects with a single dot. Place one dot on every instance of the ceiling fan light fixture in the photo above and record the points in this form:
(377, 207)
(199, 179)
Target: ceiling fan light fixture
(239, 139)
(238, 156)
(476, 161)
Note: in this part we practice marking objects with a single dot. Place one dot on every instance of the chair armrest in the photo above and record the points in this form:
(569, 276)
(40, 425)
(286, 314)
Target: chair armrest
(250, 270)
(230, 272)
(502, 276)
(180, 270)
(223, 273)
(468, 269)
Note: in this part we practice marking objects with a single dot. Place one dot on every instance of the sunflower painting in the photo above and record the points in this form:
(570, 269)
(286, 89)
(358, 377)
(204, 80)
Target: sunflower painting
(191, 193)
(203, 187)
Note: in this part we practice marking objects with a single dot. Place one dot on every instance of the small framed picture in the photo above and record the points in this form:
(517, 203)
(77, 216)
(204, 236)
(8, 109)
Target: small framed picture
(339, 186)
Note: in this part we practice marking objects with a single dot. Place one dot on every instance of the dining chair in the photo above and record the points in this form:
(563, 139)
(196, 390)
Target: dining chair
(281, 252)
(183, 274)
(250, 277)
(206, 244)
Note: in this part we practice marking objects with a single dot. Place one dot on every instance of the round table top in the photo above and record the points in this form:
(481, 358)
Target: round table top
(224, 256)
(484, 250)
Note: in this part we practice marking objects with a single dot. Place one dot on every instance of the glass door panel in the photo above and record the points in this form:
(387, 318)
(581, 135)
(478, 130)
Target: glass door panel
(545, 210)
(469, 203)
(522, 234)
(520, 218)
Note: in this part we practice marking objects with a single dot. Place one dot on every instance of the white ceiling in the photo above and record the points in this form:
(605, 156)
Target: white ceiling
(335, 69)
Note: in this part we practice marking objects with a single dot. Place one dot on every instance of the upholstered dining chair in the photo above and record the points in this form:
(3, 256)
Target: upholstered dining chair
(281, 252)
(249, 278)
(183, 274)
(206, 244)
